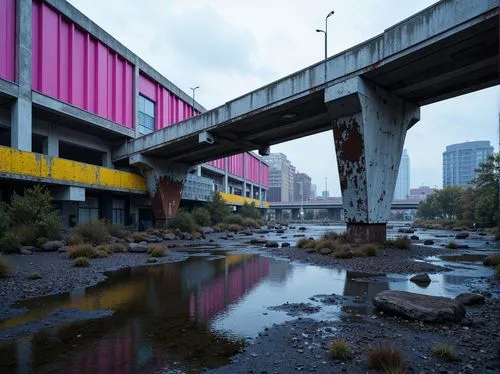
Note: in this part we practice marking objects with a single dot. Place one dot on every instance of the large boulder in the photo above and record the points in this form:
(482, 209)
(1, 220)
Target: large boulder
(52, 245)
(168, 236)
(421, 279)
(206, 230)
(420, 307)
(186, 236)
(27, 250)
(152, 239)
(141, 247)
(470, 298)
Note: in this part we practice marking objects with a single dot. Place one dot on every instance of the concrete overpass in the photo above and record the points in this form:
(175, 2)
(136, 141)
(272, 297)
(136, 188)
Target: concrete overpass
(368, 95)
(330, 204)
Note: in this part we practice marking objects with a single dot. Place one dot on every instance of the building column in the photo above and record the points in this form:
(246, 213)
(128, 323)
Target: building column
(244, 174)
(135, 90)
(165, 182)
(21, 118)
(369, 129)
(226, 175)
(260, 184)
(107, 161)
(50, 143)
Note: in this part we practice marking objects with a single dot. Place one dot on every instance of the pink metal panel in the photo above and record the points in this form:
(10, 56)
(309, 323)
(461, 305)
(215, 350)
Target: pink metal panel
(71, 65)
(169, 108)
(236, 165)
(8, 39)
(219, 163)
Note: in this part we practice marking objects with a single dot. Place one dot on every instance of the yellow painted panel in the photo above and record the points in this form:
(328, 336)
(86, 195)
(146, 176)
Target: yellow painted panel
(109, 177)
(5, 160)
(62, 169)
(240, 200)
(85, 173)
(24, 163)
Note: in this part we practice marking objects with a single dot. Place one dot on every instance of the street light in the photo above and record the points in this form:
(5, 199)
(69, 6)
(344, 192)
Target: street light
(325, 31)
(194, 89)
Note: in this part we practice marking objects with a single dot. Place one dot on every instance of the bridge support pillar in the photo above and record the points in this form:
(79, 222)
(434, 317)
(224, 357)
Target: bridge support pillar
(369, 129)
(165, 182)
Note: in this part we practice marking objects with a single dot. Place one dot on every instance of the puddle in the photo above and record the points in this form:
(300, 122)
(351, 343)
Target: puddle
(196, 314)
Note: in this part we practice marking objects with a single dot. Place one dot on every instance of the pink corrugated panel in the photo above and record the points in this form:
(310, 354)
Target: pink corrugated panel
(8, 39)
(71, 65)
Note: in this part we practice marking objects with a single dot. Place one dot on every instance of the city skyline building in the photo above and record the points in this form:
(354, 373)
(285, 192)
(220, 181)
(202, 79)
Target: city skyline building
(302, 187)
(461, 160)
(279, 177)
(402, 188)
(314, 191)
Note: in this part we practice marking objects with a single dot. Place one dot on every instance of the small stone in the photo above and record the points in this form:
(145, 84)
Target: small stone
(428, 242)
(422, 278)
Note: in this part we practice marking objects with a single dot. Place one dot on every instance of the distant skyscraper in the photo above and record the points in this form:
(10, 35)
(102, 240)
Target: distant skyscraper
(314, 191)
(402, 189)
(280, 169)
(461, 160)
(302, 187)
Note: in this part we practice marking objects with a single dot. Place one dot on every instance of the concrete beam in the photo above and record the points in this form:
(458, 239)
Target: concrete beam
(8, 88)
(369, 129)
(21, 110)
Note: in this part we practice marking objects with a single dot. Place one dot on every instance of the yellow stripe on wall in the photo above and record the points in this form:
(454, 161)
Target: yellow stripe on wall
(240, 200)
(13, 161)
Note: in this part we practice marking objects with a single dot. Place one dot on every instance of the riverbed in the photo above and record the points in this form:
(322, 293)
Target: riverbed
(235, 308)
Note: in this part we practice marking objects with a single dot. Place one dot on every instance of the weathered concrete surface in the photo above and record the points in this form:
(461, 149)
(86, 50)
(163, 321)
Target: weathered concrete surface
(420, 307)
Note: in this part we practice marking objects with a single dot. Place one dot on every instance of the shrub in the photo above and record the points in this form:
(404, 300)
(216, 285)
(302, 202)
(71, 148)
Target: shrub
(327, 243)
(101, 253)
(401, 242)
(452, 245)
(250, 210)
(34, 276)
(201, 216)
(35, 210)
(82, 250)
(445, 351)
(137, 236)
(250, 222)
(4, 219)
(217, 208)
(117, 231)
(4, 268)
(116, 247)
(81, 262)
(233, 227)
(151, 260)
(94, 232)
(182, 221)
(331, 235)
(339, 349)
(343, 252)
(74, 239)
(220, 227)
(306, 243)
(157, 252)
(41, 241)
(386, 358)
(10, 243)
(26, 234)
(234, 219)
(366, 250)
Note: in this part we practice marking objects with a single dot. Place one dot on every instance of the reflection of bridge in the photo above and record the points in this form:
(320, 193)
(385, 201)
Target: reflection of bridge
(334, 207)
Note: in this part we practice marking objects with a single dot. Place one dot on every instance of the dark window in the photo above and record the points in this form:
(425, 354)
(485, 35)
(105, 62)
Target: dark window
(146, 115)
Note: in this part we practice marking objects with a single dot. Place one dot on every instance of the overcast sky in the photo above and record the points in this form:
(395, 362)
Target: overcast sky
(229, 48)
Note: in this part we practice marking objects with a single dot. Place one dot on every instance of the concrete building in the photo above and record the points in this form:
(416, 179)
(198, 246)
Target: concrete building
(291, 174)
(70, 93)
(302, 187)
(402, 189)
(314, 191)
(421, 193)
(280, 177)
(461, 160)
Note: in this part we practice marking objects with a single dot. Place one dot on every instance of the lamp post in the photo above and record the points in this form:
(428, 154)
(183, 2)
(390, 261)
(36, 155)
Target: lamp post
(194, 89)
(325, 31)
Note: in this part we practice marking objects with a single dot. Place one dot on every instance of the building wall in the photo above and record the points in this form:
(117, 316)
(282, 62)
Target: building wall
(461, 160)
(169, 108)
(71, 65)
(402, 188)
(235, 165)
(8, 39)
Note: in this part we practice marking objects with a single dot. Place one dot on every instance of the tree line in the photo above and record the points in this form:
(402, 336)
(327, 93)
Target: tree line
(478, 204)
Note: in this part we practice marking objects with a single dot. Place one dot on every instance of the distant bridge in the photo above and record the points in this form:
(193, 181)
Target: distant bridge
(335, 203)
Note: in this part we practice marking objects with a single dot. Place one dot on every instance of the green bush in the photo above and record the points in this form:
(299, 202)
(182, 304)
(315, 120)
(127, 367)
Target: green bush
(340, 350)
(117, 231)
(201, 216)
(306, 243)
(234, 227)
(249, 210)
(81, 262)
(4, 219)
(234, 219)
(82, 250)
(27, 234)
(10, 243)
(41, 241)
(151, 260)
(95, 232)
(182, 221)
(250, 222)
(4, 268)
(217, 208)
(34, 209)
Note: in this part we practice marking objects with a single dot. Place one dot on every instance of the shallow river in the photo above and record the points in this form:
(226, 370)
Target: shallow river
(196, 314)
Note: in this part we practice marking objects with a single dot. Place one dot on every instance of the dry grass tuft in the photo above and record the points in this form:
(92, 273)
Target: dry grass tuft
(82, 250)
(386, 358)
(306, 243)
(137, 236)
(401, 242)
(157, 252)
(151, 260)
(339, 349)
(81, 262)
(445, 352)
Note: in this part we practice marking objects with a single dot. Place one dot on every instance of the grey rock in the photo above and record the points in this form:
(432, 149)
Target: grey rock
(168, 236)
(141, 247)
(406, 231)
(414, 237)
(258, 241)
(52, 245)
(285, 244)
(429, 242)
(27, 250)
(310, 250)
(325, 251)
(420, 307)
(152, 239)
(470, 298)
(422, 278)
(302, 228)
(64, 249)
(262, 231)
(280, 231)
(462, 235)
(206, 230)
(271, 244)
